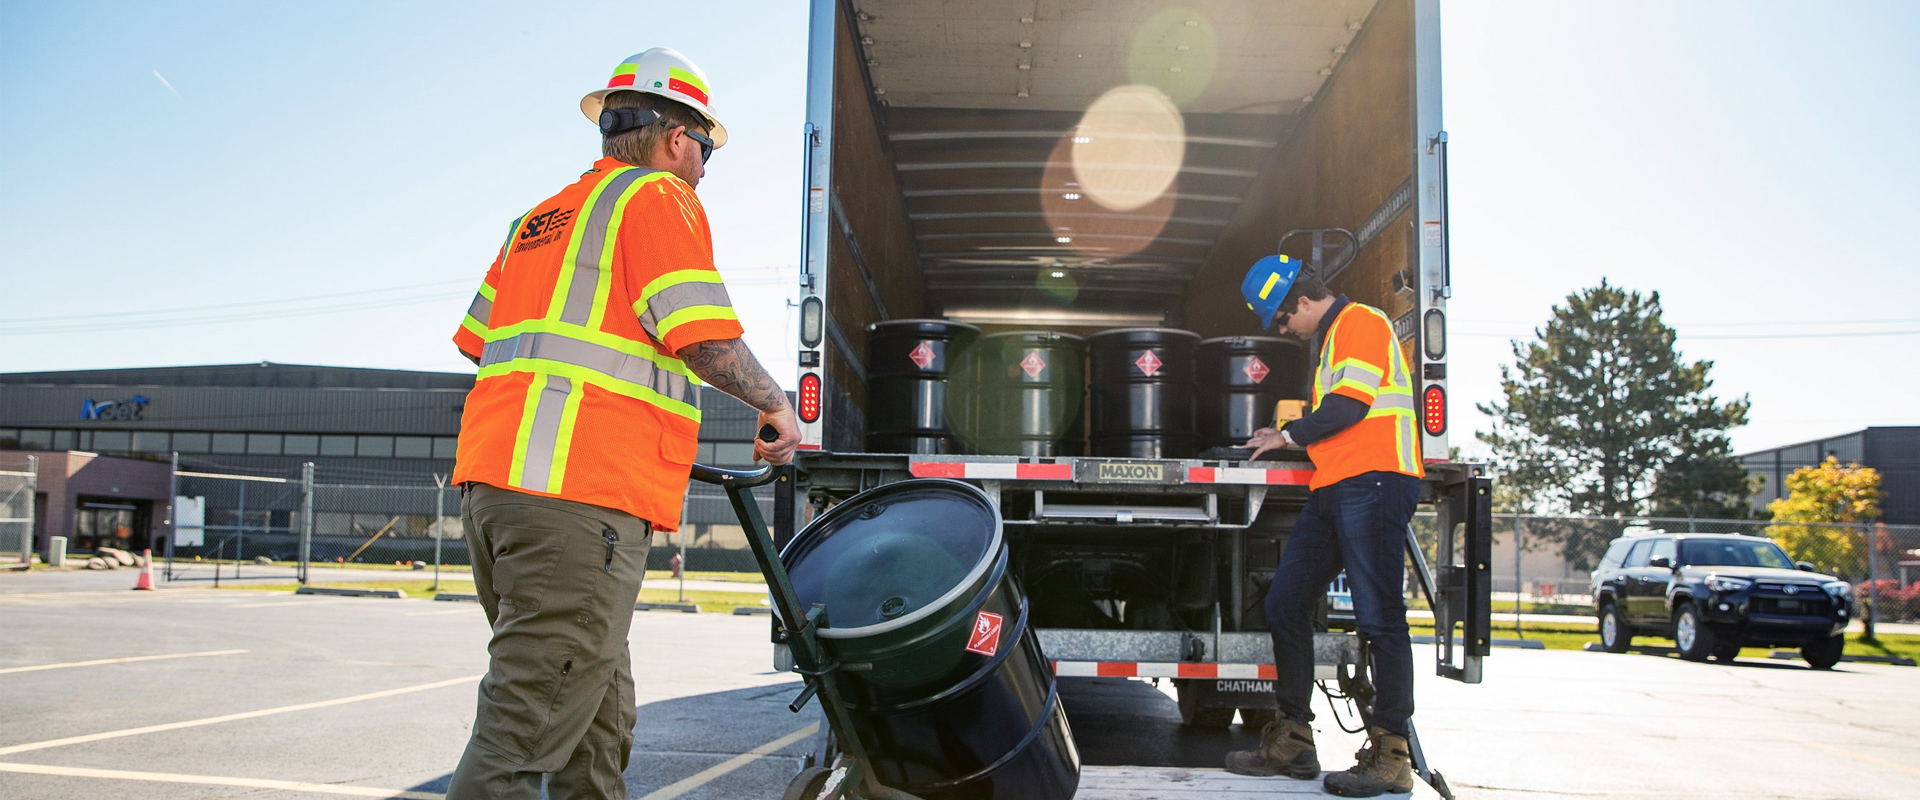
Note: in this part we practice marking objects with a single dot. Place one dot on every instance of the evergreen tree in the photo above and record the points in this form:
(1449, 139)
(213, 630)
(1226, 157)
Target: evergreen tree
(1602, 416)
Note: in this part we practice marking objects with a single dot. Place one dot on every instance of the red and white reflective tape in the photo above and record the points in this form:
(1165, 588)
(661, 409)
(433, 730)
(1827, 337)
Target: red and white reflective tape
(1161, 669)
(991, 470)
(1249, 475)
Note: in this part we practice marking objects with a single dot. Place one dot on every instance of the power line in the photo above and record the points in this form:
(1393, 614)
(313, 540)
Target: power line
(247, 304)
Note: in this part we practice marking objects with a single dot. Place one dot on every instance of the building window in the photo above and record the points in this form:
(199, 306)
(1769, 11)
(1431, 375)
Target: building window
(230, 443)
(84, 442)
(103, 441)
(445, 446)
(299, 444)
(192, 442)
(376, 446)
(149, 441)
(9, 437)
(263, 444)
(35, 439)
(412, 447)
(63, 440)
(336, 445)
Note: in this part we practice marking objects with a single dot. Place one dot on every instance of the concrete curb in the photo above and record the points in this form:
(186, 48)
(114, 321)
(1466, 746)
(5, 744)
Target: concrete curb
(456, 597)
(747, 611)
(688, 608)
(391, 594)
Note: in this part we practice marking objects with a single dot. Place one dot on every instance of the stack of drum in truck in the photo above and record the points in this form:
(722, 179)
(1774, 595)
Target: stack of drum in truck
(940, 387)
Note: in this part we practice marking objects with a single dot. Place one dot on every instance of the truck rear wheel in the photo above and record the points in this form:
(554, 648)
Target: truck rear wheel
(1257, 718)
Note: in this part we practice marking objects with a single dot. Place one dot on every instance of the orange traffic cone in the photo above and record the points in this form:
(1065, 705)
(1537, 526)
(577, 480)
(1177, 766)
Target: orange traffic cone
(146, 572)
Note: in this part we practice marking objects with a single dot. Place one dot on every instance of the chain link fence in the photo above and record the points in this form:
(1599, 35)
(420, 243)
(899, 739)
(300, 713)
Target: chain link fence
(16, 512)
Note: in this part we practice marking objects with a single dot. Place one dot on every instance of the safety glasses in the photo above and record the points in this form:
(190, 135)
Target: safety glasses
(705, 142)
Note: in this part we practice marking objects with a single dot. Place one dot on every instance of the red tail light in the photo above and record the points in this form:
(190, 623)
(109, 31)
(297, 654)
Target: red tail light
(809, 397)
(1435, 403)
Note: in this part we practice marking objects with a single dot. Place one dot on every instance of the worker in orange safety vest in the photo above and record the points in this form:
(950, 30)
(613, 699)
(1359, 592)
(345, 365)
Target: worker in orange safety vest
(1362, 438)
(600, 316)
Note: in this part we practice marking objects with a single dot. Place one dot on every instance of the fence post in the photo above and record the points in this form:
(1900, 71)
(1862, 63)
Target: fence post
(439, 523)
(1519, 531)
(306, 519)
(1873, 594)
(241, 547)
(173, 508)
(26, 535)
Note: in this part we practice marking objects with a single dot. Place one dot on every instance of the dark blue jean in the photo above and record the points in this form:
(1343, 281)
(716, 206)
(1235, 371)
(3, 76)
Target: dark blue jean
(1359, 524)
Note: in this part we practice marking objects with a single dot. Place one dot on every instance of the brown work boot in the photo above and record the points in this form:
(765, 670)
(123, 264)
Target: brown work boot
(1286, 748)
(1385, 765)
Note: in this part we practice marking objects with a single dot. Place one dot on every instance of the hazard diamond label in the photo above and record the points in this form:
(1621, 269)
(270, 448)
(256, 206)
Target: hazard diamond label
(986, 634)
(1033, 365)
(1256, 369)
(922, 355)
(1148, 363)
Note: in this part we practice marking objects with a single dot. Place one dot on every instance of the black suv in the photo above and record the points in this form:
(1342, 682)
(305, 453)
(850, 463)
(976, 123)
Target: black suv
(1717, 593)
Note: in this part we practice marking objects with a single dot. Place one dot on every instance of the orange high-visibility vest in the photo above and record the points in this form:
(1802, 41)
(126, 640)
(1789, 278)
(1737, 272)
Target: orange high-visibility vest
(1361, 359)
(580, 395)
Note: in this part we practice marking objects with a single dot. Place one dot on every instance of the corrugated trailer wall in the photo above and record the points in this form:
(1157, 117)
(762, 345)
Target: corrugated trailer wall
(1344, 162)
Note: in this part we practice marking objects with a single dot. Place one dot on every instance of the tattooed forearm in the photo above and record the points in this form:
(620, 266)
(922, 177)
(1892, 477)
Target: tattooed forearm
(729, 366)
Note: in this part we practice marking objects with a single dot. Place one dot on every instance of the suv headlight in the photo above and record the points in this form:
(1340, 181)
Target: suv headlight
(1839, 589)
(1724, 584)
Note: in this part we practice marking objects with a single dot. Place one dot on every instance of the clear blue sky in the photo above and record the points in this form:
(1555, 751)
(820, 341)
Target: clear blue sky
(1752, 161)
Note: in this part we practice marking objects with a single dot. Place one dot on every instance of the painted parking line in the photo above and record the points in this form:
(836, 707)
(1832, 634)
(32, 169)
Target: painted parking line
(194, 723)
(215, 780)
(127, 660)
(705, 776)
(1853, 755)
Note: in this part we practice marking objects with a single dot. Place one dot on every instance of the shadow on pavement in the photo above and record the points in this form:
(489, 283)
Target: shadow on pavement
(675, 739)
(1117, 721)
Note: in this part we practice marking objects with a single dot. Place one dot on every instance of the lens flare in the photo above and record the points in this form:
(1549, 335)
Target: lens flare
(1128, 147)
(1176, 51)
(1075, 214)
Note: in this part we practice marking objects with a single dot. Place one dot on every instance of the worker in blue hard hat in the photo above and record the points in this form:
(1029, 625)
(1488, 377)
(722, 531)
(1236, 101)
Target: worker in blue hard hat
(1361, 436)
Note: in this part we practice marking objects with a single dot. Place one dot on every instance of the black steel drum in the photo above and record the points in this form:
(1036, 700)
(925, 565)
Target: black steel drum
(1239, 379)
(959, 702)
(1028, 394)
(1141, 395)
(908, 364)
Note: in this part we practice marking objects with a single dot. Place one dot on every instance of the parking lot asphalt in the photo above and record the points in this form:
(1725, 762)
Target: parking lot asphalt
(194, 693)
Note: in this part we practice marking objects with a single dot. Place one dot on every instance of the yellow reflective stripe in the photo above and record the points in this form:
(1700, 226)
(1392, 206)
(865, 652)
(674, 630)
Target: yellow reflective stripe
(579, 234)
(525, 432)
(603, 290)
(644, 394)
(694, 314)
(563, 444)
(486, 291)
(1268, 288)
(1346, 364)
(1368, 389)
(628, 346)
(475, 327)
(673, 278)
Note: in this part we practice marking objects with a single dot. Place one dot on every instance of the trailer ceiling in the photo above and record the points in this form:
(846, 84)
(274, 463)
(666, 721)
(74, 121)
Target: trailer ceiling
(981, 100)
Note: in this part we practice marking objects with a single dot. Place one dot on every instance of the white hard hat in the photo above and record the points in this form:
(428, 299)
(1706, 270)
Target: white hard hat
(664, 72)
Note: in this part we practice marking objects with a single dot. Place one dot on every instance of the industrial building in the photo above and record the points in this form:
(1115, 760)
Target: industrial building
(1892, 451)
(377, 439)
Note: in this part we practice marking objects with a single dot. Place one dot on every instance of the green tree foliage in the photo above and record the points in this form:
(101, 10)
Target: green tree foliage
(1600, 415)
(1829, 493)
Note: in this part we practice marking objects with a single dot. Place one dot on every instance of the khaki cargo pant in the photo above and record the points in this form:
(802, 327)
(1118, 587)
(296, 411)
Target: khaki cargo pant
(558, 695)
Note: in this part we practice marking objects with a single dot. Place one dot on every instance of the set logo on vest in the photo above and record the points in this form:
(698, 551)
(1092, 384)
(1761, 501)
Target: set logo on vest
(541, 229)
(129, 409)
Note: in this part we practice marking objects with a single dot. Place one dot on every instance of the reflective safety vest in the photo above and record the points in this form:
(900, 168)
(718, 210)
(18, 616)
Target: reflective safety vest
(580, 395)
(1361, 359)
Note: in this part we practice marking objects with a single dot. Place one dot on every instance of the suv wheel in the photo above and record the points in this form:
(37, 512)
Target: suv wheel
(1726, 651)
(1825, 653)
(1615, 636)
(1694, 638)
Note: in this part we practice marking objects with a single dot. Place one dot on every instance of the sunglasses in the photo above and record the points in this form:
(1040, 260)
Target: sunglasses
(705, 142)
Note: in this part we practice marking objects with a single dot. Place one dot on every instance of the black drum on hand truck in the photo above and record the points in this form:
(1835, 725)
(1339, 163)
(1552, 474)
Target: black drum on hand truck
(942, 673)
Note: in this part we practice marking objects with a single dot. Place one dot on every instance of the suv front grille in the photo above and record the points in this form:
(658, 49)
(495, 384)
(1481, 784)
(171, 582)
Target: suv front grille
(1815, 602)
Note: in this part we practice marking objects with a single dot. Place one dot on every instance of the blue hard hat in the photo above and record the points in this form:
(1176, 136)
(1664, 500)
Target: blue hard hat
(1267, 284)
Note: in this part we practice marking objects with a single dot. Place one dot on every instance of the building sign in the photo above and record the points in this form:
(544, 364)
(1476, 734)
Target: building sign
(129, 409)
